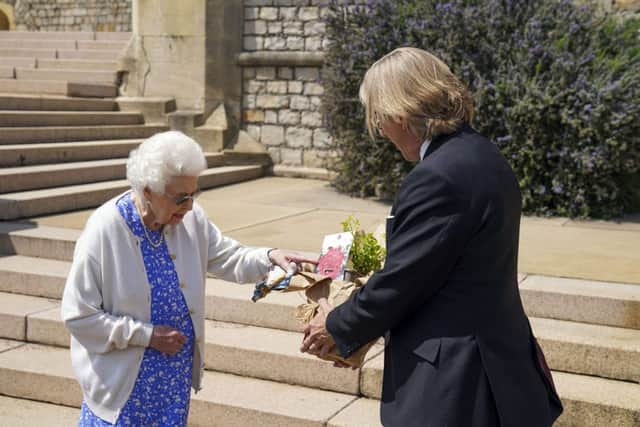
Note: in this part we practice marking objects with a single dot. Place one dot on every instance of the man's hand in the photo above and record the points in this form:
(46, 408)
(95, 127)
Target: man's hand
(283, 258)
(167, 340)
(316, 338)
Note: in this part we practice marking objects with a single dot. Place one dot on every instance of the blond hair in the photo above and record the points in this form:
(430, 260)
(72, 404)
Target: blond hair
(418, 89)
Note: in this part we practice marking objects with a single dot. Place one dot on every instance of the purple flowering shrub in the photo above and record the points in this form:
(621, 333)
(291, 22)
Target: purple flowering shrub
(556, 87)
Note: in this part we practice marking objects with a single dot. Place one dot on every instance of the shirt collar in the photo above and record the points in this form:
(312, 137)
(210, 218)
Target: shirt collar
(423, 148)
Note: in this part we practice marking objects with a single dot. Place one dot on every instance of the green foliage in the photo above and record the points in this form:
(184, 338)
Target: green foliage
(556, 86)
(366, 254)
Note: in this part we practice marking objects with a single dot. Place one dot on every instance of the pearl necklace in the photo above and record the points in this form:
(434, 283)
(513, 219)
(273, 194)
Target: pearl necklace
(144, 228)
(154, 244)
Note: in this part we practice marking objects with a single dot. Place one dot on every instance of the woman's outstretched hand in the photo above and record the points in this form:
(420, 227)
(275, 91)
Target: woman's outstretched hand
(167, 340)
(283, 258)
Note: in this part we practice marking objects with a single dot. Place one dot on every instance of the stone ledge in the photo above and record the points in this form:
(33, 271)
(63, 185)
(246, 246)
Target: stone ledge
(286, 59)
(302, 172)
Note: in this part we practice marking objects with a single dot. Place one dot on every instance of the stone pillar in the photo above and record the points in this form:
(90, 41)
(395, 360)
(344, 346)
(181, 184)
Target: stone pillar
(186, 50)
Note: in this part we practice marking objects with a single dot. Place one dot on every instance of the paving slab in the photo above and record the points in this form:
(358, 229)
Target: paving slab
(603, 303)
(28, 413)
(585, 253)
(299, 193)
(303, 232)
(14, 310)
(362, 412)
(233, 215)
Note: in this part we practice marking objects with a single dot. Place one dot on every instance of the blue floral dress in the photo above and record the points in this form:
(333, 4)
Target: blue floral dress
(161, 393)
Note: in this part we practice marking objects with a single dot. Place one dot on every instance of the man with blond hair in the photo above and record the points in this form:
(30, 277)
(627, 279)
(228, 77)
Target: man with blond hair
(459, 350)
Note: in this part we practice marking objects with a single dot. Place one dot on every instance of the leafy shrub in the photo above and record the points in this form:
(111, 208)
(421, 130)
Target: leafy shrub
(556, 87)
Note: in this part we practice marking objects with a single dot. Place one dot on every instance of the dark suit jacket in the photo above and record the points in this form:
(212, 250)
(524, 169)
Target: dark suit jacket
(459, 350)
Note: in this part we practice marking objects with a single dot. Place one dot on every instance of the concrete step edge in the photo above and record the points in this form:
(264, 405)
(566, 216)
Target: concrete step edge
(43, 373)
(54, 200)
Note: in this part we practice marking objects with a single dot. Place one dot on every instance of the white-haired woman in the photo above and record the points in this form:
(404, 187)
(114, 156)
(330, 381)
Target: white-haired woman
(134, 297)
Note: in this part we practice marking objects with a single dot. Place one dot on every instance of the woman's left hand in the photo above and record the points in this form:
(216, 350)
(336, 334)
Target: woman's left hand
(283, 258)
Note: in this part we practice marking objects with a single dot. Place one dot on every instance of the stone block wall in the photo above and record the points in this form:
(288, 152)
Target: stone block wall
(73, 15)
(282, 90)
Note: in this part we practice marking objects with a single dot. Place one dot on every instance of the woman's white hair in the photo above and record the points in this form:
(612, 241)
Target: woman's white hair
(162, 157)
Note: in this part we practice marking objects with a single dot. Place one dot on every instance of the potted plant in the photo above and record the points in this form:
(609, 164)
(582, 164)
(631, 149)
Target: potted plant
(366, 255)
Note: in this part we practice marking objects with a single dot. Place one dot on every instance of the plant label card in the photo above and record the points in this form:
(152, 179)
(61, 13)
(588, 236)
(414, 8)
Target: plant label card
(334, 255)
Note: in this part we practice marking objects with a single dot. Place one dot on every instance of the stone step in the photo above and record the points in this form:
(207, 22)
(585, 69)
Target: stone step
(27, 53)
(29, 413)
(78, 64)
(58, 87)
(18, 275)
(101, 44)
(67, 118)
(62, 152)
(54, 103)
(588, 401)
(43, 373)
(42, 202)
(27, 239)
(248, 351)
(23, 62)
(7, 72)
(602, 303)
(102, 54)
(14, 312)
(40, 87)
(582, 348)
(30, 135)
(572, 347)
(47, 35)
(26, 178)
(37, 44)
(112, 35)
(231, 303)
(85, 76)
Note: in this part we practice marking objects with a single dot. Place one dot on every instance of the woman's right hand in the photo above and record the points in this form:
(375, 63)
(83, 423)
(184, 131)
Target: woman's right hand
(167, 340)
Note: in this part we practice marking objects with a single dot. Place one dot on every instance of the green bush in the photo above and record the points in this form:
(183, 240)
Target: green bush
(556, 87)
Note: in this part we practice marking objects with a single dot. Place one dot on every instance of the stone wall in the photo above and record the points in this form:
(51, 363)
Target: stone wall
(283, 46)
(283, 43)
(73, 15)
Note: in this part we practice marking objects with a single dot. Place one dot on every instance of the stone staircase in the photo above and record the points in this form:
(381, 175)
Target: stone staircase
(590, 332)
(61, 63)
(60, 153)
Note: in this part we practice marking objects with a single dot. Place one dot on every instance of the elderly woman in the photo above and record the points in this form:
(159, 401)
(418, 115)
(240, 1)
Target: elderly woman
(134, 298)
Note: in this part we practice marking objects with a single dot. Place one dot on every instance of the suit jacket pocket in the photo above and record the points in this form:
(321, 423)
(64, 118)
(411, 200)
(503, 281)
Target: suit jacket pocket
(428, 349)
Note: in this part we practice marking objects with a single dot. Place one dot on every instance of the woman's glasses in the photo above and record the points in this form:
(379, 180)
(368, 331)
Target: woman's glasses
(182, 199)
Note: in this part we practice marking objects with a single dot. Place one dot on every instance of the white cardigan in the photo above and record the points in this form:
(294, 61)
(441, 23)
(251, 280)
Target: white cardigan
(106, 301)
